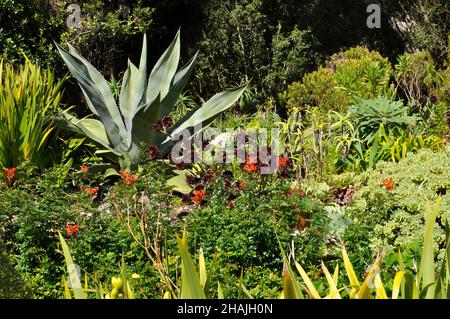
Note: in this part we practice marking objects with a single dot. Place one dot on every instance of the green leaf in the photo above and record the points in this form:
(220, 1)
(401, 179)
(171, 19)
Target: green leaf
(99, 96)
(426, 269)
(179, 182)
(73, 274)
(163, 72)
(179, 83)
(191, 287)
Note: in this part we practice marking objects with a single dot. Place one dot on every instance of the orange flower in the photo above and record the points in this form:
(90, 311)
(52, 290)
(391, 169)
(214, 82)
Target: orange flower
(250, 167)
(199, 195)
(71, 230)
(128, 178)
(387, 182)
(84, 168)
(10, 173)
(293, 191)
(242, 185)
(283, 161)
(91, 191)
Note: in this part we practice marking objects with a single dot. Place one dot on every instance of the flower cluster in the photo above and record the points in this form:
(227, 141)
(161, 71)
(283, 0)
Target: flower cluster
(199, 196)
(128, 178)
(152, 151)
(250, 165)
(10, 173)
(387, 182)
(91, 191)
(84, 168)
(71, 230)
(284, 165)
(297, 191)
(166, 123)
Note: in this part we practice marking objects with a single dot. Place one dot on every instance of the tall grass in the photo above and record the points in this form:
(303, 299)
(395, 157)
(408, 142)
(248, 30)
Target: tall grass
(29, 96)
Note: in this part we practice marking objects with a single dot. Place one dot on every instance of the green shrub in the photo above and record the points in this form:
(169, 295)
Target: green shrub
(32, 213)
(318, 88)
(391, 215)
(348, 75)
(243, 224)
(362, 73)
(416, 75)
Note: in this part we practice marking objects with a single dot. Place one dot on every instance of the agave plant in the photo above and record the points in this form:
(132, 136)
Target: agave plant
(122, 127)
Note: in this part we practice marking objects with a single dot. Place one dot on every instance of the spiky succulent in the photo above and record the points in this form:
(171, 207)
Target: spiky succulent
(121, 128)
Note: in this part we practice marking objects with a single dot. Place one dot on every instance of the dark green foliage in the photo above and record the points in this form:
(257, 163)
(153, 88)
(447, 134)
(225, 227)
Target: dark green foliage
(28, 26)
(31, 216)
(242, 42)
(11, 283)
(423, 25)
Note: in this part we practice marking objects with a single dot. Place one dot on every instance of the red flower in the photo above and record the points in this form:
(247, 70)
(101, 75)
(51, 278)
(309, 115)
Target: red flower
(167, 121)
(84, 168)
(128, 178)
(91, 191)
(292, 191)
(283, 162)
(250, 167)
(10, 173)
(71, 230)
(153, 151)
(157, 127)
(230, 204)
(199, 195)
(387, 182)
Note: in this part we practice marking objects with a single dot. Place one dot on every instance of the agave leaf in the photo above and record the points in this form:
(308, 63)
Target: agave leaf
(143, 61)
(92, 128)
(179, 83)
(214, 106)
(191, 287)
(97, 91)
(143, 121)
(203, 115)
(163, 72)
(132, 92)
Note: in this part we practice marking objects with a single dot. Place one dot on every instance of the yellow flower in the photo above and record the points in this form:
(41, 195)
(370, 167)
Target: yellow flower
(135, 276)
(116, 282)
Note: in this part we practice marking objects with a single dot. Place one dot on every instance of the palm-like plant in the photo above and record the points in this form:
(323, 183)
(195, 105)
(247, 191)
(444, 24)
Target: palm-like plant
(370, 115)
(121, 128)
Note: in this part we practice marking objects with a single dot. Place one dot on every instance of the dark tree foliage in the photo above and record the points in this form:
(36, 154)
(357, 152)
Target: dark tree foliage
(11, 284)
(270, 43)
(422, 24)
